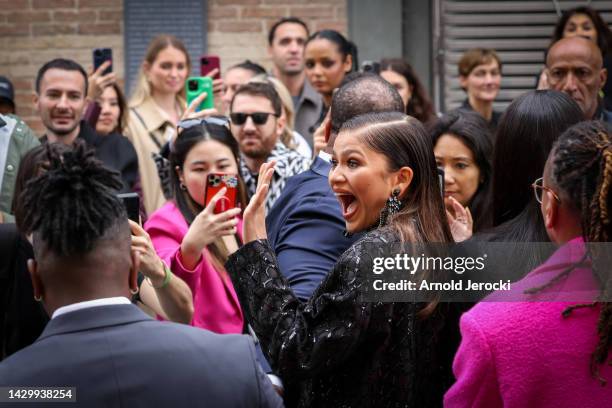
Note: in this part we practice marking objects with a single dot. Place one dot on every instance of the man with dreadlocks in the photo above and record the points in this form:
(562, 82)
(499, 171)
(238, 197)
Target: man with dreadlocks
(556, 353)
(97, 341)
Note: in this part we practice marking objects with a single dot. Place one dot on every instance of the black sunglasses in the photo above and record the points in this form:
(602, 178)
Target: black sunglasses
(189, 123)
(259, 118)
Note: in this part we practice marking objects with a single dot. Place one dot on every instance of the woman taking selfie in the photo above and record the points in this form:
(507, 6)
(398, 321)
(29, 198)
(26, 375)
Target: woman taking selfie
(188, 235)
(334, 348)
(155, 109)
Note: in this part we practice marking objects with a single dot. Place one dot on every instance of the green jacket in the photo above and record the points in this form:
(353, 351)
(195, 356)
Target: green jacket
(22, 139)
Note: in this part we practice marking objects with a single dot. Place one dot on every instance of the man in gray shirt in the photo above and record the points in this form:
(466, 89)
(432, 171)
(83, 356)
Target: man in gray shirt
(286, 41)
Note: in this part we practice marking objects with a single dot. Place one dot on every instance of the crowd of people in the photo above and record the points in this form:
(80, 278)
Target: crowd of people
(262, 304)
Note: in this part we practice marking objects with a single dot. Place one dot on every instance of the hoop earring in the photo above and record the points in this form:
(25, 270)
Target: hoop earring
(134, 292)
(38, 298)
(183, 187)
(392, 206)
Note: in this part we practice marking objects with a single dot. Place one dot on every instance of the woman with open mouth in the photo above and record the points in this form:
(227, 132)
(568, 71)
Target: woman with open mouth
(336, 349)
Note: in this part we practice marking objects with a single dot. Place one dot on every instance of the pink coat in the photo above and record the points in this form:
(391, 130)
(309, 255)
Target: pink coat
(525, 354)
(216, 305)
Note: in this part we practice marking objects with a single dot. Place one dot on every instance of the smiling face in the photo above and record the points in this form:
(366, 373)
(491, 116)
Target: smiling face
(361, 180)
(580, 25)
(206, 157)
(168, 72)
(256, 141)
(325, 65)
(483, 82)
(110, 111)
(61, 100)
(461, 173)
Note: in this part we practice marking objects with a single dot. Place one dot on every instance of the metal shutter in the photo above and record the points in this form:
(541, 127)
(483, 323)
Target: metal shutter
(519, 31)
(144, 19)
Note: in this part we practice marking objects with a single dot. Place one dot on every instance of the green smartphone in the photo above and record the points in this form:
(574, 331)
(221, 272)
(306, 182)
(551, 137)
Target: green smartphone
(195, 86)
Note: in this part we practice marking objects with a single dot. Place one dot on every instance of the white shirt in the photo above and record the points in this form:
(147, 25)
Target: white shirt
(119, 300)
(325, 156)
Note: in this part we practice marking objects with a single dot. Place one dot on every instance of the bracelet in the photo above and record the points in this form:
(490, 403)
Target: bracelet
(167, 276)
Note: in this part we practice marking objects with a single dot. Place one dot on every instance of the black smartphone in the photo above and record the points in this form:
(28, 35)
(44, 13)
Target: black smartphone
(131, 202)
(100, 55)
(441, 180)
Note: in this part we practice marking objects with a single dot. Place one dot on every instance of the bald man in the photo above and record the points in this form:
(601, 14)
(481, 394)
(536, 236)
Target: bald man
(575, 66)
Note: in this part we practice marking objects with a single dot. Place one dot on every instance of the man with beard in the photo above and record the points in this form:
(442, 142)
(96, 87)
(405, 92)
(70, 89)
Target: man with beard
(256, 124)
(286, 42)
(60, 98)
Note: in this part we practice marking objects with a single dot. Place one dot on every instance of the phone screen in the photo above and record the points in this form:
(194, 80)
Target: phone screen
(214, 183)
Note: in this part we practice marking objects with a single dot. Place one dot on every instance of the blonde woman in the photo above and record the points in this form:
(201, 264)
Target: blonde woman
(155, 109)
(290, 138)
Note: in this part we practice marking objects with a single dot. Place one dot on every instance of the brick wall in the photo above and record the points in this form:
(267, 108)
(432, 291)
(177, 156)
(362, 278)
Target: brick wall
(35, 31)
(238, 29)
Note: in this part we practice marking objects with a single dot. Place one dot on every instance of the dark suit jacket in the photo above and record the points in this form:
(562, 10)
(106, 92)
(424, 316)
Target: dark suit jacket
(305, 229)
(117, 356)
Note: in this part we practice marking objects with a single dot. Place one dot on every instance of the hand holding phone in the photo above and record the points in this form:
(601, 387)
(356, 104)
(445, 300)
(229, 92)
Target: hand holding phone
(215, 182)
(209, 63)
(194, 88)
(101, 55)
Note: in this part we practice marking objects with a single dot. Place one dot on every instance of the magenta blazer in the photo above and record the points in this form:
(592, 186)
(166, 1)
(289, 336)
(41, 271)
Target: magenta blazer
(525, 354)
(215, 303)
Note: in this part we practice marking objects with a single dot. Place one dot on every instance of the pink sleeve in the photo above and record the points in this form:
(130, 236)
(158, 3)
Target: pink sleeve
(167, 241)
(474, 369)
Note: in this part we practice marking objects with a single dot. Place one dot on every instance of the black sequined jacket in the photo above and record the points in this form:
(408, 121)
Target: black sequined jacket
(335, 351)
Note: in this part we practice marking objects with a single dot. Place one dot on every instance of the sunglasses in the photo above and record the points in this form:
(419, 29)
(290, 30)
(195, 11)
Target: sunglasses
(258, 118)
(189, 123)
(539, 188)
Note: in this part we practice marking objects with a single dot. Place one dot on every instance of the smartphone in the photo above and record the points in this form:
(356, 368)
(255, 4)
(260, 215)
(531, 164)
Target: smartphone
(208, 63)
(214, 183)
(195, 86)
(100, 55)
(131, 202)
(441, 180)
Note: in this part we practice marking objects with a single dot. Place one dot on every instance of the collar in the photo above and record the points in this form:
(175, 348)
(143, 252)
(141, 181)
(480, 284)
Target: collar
(120, 300)
(601, 113)
(321, 166)
(325, 156)
(2, 122)
(309, 94)
(153, 117)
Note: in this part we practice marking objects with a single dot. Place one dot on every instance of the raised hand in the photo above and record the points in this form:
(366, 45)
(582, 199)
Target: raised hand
(254, 224)
(206, 228)
(459, 220)
(97, 82)
(150, 264)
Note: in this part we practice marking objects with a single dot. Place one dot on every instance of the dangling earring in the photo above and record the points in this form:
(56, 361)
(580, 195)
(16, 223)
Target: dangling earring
(392, 206)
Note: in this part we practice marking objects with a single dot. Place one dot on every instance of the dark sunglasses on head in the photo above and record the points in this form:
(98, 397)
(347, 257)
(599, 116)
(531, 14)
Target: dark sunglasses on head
(259, 118)
(189, 123)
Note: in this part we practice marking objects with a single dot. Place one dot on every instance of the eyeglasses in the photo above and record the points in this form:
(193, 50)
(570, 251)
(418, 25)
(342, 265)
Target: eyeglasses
(538, 190)
(259, 118)
(189, 123)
